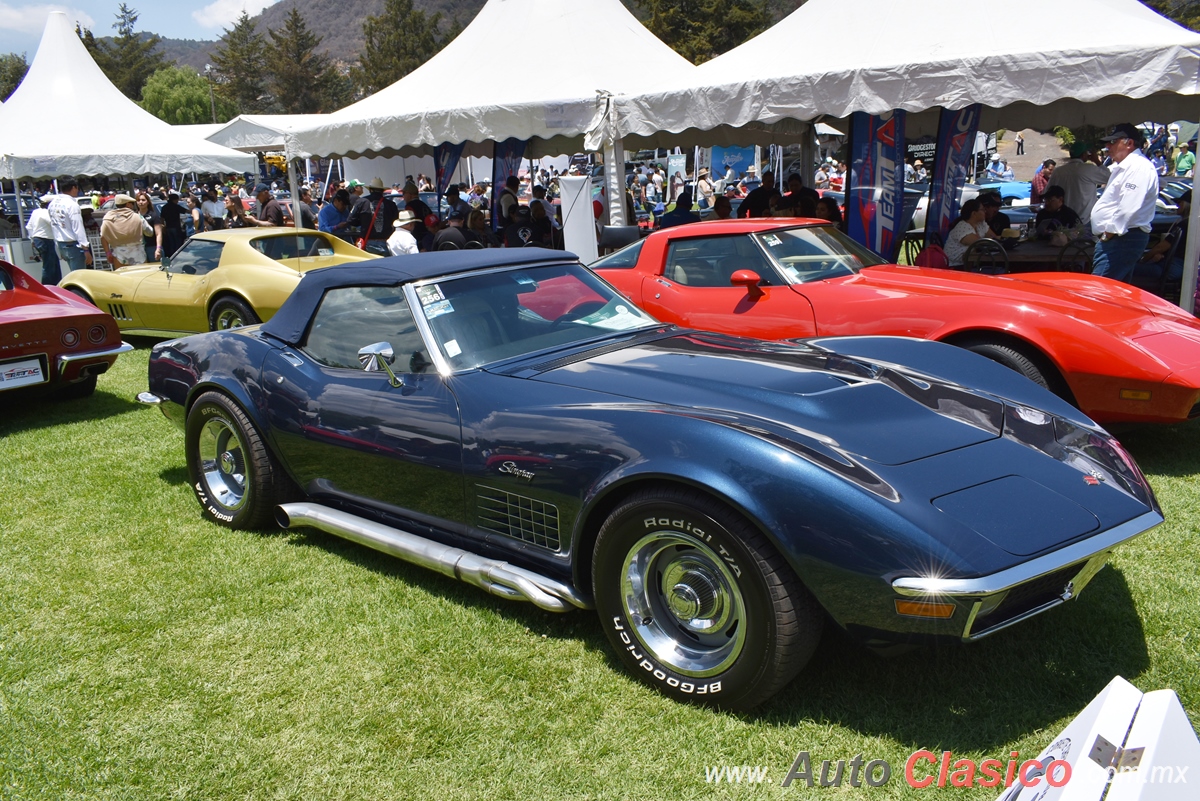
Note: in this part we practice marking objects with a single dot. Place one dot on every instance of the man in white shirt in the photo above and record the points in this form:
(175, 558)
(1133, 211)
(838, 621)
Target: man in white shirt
(70, 237)
(402, 242)
(213, 210)
(1121, 217)
(42, 233)
(1080, 176)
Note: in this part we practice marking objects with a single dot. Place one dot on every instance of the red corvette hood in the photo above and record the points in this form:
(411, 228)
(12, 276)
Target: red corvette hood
(1110, 304)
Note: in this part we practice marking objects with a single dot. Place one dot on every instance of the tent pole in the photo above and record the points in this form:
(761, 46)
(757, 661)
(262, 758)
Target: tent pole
(20, 208)
(1191, 260)
(294, 188)
(328, 178)
(807, 156)
(614, 178)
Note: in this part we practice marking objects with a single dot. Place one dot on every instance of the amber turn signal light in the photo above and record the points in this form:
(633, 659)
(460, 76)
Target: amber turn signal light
(924, 609)
(1135, 394)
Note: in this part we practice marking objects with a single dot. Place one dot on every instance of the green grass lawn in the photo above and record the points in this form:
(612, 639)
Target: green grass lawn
(146, 654)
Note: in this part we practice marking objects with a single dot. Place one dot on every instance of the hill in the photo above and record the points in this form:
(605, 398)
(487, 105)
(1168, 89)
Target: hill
(339, 24)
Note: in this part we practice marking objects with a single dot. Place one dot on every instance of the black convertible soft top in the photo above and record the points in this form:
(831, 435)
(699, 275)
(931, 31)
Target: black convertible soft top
(291, 321)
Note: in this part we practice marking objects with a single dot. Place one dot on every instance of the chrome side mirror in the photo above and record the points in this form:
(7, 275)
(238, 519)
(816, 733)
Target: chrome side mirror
(379, 358)
(166, 263)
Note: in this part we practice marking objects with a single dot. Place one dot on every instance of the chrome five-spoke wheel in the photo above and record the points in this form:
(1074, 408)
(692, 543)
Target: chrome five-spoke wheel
(684, 603)
(223, 463)
(697, 602)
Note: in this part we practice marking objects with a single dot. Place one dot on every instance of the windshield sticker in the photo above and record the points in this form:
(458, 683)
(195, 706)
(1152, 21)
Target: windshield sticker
(430, 293)
(437, 309)
(521, 278)
(621, 319)
(324, 251)
(772, 240)
(452, 348)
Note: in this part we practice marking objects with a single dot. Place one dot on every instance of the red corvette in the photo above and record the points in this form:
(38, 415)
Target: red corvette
(49, 337)
(1116, 352)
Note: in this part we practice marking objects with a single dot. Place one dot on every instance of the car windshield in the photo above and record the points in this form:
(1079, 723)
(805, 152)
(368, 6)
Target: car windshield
(814, 253)
(488, 317)
(625, 258)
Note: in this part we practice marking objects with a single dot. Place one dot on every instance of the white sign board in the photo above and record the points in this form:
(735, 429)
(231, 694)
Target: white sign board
(1124, 746)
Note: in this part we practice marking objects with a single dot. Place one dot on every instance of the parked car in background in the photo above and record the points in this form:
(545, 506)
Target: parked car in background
(51, 339)
(218, 279)
(8, 205)
(504, 417)
(109, 204)
(1118, 353)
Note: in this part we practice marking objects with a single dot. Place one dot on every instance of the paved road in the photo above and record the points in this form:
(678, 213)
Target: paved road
(1038, 148)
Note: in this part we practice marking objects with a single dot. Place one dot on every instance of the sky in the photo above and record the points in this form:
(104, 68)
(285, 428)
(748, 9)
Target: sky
(22, 21)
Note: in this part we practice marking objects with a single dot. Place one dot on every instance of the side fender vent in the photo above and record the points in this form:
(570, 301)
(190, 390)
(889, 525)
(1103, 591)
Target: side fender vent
(117, 310)
(519, 517)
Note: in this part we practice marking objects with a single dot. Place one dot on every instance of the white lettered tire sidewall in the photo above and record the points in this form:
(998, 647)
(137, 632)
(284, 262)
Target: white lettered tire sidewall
(256, 507)
(628, 525)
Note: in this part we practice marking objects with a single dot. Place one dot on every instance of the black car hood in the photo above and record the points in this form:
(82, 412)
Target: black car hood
(850, 404)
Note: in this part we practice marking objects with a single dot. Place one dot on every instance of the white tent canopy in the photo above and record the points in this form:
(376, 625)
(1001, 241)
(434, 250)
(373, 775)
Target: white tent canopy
(940, 54)
(200, 129)
(474, 91)
(66, 118)
(253, 133)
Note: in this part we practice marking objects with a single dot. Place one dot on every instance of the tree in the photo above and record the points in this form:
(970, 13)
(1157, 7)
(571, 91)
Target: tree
(181, 97)
(302, 80)
(12, 71)
(1185, 12)
(129, 59)
(240, 60)
(397, 42)
(702, 29)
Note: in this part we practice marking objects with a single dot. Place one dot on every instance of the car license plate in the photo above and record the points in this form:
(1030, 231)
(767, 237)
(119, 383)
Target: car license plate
(20, 374)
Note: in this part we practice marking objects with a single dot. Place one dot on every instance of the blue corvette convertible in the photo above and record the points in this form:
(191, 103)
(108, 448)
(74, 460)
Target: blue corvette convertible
(507, 419)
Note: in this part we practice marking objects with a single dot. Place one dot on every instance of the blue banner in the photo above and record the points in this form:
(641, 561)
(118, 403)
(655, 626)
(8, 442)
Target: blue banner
(740, 158)
(875, 200)
(955, 143)
(506, 161)
(445, 161)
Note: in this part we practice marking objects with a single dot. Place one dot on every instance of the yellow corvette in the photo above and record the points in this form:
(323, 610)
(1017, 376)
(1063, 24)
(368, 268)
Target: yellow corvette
(217, 280)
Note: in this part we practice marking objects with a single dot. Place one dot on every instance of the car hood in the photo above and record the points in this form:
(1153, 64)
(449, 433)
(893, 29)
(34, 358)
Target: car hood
(846, 404)
(1107, 304)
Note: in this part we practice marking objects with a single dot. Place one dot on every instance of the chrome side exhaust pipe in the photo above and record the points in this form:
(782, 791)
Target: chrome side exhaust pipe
(494, 576)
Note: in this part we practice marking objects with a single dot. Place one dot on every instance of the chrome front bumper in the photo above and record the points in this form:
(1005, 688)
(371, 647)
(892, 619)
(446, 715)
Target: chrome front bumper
(171, 410)
(1003, 599)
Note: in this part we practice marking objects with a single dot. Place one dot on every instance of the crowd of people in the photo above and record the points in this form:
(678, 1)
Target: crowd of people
(1108, 189)
(153, 223)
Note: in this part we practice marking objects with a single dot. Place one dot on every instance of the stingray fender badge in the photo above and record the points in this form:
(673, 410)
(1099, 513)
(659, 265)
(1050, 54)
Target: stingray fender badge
(512, 469)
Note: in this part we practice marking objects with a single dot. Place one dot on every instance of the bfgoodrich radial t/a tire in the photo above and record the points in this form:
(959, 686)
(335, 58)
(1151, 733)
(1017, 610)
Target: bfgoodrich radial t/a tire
(232, 472)
(696, 601)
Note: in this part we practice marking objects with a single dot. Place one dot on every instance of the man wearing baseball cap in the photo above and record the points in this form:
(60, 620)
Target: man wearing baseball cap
(269, 212)
(1121, 217)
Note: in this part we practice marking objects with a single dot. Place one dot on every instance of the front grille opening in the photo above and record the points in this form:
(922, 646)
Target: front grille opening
(1026, 597)
(519, 517)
